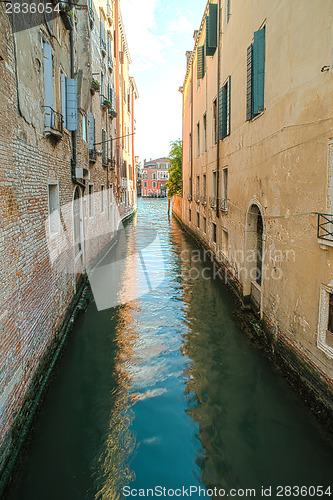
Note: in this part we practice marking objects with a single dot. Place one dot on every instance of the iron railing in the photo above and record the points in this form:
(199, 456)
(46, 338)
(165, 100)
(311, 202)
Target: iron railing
(325, 227)
(53, 121)
(223, 204)
(105, 103)
(212, 201)
(92, 155)
(103, 46)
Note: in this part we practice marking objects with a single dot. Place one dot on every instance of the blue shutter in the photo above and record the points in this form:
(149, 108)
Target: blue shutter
(249, 113)
(48, 83)
(63, 97)
(220, 113)
(213, 25)
(200, 62)
(91, 131)
(258, 71)
(71, 101)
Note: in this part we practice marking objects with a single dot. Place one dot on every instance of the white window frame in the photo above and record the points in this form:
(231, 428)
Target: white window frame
(56, 216)
(84, 127)
(325, 292)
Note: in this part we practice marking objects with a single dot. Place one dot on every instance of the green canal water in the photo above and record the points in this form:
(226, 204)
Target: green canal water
(165, 391)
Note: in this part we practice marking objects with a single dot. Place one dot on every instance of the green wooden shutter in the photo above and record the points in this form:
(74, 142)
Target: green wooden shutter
(213, 25)
(220, 111)
(249, 113)
(258, 71)
(226, 106)
(200, 62)
(210, 51)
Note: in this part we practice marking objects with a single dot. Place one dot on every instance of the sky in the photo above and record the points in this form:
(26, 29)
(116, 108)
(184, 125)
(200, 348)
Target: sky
(159, 32)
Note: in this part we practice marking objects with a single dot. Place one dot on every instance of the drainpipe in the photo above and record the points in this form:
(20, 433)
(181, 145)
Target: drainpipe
(218, 114)
(73, 159)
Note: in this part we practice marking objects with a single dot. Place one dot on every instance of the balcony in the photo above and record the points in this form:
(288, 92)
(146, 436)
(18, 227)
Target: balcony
(112, 113)
(92, 155)
(124, 182)
(325, 227)
(105, 103)
(223, 205)
(204, 200)
(110, 63)
(53, 122)
(66, 15)
(212, 201)
(103, 46)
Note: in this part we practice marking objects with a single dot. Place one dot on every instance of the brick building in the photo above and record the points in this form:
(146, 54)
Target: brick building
(155, 174)
(66, 181)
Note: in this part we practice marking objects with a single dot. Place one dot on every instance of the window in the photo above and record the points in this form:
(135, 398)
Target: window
(154, 175)
(48, 83)
(225, 183)
(215, 121)
(255, 75)
(109, 48)
(190, 186)
(189, 215)
(225, 242)
(198, 219)
(198, 186)
(54, 208)
(104, 147)
(227, 11)
(102, 198)
(145, 184)
(154, 184)
(204, 224)
(102, 28)
(84, 128)
(205, 132)
(330, 314)
(214, 232)
(91, 200)
(214, 183)
(198, 139)
(190, 148)
(63, 96)
(325, 322)
(204, 184)
(224, 109)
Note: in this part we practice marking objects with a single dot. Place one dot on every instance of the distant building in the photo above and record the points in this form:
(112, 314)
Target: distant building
(155, 174)
(138, 176)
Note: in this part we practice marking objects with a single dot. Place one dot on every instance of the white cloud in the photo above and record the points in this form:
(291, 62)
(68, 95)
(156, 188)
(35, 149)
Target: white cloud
(146, 47)
(181, 25)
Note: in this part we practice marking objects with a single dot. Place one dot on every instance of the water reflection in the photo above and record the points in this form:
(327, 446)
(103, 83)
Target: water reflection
(252, 428)
(165, 391)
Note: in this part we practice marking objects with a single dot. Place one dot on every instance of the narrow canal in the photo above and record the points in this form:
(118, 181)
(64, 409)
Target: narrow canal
(165, 390)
